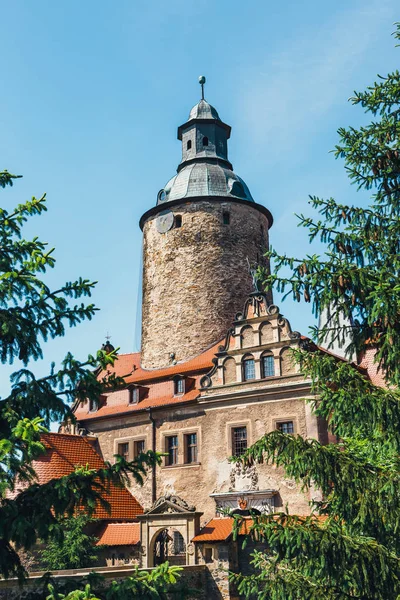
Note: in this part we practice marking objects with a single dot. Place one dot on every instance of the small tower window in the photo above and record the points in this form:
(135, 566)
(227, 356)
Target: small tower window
(189, 144)
(226, 218)
(205, 141)
(178, 220)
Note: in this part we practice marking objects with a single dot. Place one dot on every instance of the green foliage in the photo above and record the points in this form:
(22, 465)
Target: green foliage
(75, 595)
(75, 549)
(160, 583)
(349, 547)
(146, 585)
(30, 314)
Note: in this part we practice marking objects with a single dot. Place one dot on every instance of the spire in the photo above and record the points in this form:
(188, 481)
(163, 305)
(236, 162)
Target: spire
(202, 81)
(204, 170)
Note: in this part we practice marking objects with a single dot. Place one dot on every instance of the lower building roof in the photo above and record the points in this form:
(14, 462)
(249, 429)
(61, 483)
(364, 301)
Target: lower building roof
(65, 452)
(220, 529)
(119, 534)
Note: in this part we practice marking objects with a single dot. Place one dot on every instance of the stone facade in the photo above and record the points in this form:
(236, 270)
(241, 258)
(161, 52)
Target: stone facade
(190, 273)
(216, 369)
(259, 405)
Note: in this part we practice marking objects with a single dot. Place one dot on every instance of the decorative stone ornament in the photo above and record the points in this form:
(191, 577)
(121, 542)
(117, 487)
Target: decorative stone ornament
(170, 504)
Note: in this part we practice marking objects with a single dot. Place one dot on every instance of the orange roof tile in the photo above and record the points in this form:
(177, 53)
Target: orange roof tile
(128, 366)
(158, 384)
(82, 413)
(219, 529)
(64, 453)
(119, 534)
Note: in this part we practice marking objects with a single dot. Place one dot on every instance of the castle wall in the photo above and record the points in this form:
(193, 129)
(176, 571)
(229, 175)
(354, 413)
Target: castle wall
(213, 472)
(191, 287)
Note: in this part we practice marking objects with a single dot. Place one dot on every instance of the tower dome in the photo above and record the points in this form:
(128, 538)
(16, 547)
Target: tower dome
(203, 110)
(202, 240)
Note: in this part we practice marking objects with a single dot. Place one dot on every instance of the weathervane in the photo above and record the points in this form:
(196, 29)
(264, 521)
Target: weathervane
(108, 336)
(202, 81)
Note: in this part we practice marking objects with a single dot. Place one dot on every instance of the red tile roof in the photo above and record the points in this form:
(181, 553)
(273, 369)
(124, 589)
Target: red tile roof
(160, 391)
(64, 453)
(82, 414)
(119, 534)
(219, 529)
(128, 366)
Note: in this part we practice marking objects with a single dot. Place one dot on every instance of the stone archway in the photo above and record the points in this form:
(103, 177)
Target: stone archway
(160, 547)
(167, 529)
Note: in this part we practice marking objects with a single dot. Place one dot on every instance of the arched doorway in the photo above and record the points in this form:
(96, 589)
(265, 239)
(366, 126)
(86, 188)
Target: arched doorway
(161, 544)
(169, 545)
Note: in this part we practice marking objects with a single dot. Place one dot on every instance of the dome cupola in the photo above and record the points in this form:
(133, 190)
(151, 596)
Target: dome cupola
(204, 169)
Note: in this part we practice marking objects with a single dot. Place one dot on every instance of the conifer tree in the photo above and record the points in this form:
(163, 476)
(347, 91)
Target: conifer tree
(30, 314)
(350, 545)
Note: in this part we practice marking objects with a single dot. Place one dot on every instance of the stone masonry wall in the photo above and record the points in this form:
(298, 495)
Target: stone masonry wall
(213, 472)
(196, 277)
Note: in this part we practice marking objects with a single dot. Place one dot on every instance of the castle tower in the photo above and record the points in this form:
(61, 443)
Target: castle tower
(201, 241)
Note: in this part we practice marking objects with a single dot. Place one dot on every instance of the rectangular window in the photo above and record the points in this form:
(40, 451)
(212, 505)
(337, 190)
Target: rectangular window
(92, 405)
(239, 440)
(134, 396)
(138, 448)
(179, 386)
(286, 426)
(208, 555)
(123, 450)
(268, 366)
(226, 218)
(172, 449)
(249, 369)
(191, 448)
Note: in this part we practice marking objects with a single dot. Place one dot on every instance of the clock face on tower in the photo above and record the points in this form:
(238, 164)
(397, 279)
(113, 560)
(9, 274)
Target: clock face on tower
(164, 221)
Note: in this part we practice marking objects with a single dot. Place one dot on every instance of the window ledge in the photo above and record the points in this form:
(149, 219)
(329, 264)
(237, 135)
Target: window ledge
(181, 465)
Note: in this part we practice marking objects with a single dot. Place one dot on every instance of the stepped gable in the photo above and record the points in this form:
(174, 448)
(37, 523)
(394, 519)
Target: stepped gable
(156, 385)
(65, 452)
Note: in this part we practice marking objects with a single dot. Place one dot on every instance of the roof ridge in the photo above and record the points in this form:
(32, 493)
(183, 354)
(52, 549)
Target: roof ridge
(183, 362)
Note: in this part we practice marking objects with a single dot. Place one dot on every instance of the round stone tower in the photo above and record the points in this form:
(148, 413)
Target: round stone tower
(201, 242)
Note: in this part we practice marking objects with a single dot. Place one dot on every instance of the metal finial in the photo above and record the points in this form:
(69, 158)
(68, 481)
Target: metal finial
(202, 81)
(108, 336)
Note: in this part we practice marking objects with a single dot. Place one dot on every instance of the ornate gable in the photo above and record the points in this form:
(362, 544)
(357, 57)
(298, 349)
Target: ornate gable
(170, 504)
(256, 348)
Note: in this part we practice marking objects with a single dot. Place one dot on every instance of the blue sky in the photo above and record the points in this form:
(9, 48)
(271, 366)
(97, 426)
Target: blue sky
(92, 95)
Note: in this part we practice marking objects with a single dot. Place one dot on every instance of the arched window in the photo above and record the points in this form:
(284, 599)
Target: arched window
(189, 145)
(179, 543)
(249, 369)
(226, 218)
(287, 364)
(229, 370)
(267, 365)
(178, 220)
(247, 337)
(205, 141)
(267, 334)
